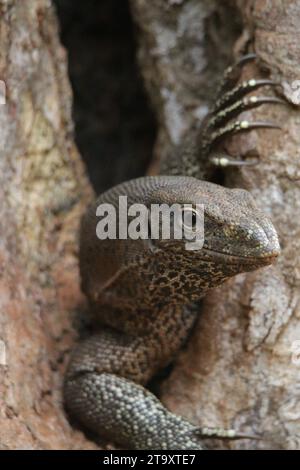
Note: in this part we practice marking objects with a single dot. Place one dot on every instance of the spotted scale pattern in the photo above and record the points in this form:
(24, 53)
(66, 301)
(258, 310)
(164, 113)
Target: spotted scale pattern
(144, 293)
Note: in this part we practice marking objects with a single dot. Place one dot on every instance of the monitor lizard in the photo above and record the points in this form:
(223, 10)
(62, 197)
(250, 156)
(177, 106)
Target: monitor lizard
(144, 293)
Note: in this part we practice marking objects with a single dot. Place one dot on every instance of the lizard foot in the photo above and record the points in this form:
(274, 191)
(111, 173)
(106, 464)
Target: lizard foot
(233, 100)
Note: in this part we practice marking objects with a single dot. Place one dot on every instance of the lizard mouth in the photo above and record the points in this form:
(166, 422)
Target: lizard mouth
(263, 259)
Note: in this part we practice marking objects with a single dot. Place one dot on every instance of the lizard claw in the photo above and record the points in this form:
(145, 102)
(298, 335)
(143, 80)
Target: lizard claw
(234, 128)
(219, 433)
(239, 106)
(232, 101)
(224, 161)
(241, 90)
(233, 73)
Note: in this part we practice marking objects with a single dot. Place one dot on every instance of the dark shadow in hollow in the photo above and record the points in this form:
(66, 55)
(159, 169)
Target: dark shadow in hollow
(114, 126)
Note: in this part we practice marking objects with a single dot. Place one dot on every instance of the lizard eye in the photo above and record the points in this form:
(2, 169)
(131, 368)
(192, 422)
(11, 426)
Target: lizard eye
(190, 219)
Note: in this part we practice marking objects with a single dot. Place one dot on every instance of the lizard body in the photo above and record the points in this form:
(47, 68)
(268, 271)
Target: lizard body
(143, 293)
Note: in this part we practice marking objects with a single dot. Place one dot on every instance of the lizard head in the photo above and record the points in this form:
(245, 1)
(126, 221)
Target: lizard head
(237, 236)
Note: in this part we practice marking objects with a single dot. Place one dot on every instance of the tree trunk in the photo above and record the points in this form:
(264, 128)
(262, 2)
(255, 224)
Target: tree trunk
(43, 191)
(240, 368)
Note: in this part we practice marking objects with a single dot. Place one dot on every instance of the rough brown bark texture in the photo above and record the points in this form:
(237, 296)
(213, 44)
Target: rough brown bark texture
(240, 368)
(43, 190)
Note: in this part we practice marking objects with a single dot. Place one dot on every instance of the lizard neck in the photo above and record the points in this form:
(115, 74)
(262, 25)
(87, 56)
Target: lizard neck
(186, 159)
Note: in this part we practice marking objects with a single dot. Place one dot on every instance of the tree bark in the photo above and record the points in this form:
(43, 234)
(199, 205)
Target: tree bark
(43, 190)
(240, 368)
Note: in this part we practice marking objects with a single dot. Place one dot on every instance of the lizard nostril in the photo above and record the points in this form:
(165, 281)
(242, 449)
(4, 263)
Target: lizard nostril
(268, 242)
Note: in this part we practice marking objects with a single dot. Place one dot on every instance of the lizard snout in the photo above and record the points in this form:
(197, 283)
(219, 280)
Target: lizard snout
(263, 243)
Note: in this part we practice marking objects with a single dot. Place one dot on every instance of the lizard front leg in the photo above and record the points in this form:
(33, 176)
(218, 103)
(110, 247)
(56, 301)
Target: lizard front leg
(103, 390)
(200, 151)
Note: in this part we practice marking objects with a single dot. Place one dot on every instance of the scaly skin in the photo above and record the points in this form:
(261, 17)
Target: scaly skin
(143, 293)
